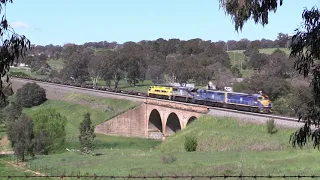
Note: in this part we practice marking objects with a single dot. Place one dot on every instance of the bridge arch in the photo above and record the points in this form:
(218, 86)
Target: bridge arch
(154, 121)
(191, 119)
(172, 124)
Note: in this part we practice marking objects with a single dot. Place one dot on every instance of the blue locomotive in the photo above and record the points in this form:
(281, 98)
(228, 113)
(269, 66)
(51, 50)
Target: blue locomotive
(234, 100)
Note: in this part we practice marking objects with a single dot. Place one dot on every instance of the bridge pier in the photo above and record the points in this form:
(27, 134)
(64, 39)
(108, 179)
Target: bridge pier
(172, 116)
(152, 119)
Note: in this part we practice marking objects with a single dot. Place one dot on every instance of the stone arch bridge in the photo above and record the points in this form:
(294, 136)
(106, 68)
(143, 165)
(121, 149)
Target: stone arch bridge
(154, 119)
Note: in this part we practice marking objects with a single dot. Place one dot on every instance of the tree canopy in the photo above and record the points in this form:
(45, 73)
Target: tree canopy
(243, 10)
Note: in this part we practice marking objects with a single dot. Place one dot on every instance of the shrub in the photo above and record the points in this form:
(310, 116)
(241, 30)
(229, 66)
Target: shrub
(271, 127)
(49, 128)
(31, 94)
(87, 134)
(282, 106)
(190, 143)
(167, 159)
(54, 74)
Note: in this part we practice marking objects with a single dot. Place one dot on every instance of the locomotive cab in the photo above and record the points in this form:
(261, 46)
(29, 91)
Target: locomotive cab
(265, 103)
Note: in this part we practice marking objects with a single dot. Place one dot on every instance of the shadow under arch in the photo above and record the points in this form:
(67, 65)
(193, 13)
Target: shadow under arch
(173, 124)
(155, 123)
(191, 119)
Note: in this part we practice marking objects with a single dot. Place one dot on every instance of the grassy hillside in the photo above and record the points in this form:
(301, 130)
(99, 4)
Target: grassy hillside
(225, 147)
(76, 105)
(227, 134)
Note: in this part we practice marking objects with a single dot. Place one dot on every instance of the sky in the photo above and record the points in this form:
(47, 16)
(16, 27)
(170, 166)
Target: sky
(77, 21)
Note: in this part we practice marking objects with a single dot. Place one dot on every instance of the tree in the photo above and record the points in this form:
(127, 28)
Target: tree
(111, 67)
(279, 64)
(94, 67)
(77, 59)
(257, 60)
(13, 45)
(49, 128)
(304, 46)
(12, 111)
(134, 64)
(282, 40)
(20, 133)
(31, 94)
(87, 135)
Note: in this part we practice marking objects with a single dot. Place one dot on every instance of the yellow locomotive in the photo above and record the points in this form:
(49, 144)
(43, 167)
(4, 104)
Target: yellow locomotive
(162, 92)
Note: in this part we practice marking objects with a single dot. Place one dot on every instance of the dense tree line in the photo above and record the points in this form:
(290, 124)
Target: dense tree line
(193, 46)
(161, 61)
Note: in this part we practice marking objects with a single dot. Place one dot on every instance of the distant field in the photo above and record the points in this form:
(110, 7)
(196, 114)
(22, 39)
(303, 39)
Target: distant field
(237, 59)
(56, 64)
(265, 50)
(225, 147)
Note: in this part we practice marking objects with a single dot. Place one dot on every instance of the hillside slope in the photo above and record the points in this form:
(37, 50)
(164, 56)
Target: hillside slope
(227, 134)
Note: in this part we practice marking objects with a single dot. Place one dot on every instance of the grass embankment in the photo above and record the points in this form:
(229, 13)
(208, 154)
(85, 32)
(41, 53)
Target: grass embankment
(225, 147)
(75, 106)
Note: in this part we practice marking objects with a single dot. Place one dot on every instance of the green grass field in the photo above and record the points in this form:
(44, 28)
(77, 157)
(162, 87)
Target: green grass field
(56, 64)
(10, 170)
(225, 146)
(265, 50)
(238, 59)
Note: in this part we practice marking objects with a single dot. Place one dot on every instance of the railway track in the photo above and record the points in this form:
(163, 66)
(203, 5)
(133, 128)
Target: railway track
(142, 97)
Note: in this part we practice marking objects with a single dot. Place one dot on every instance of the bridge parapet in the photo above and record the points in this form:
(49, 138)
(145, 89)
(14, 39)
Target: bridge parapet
(178, 105)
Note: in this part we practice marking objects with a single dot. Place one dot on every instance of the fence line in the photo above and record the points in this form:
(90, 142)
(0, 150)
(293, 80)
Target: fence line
(171, 177)
(61, 173)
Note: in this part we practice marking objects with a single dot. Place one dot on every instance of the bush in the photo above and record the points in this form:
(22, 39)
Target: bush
(49, 128)
(271, 127)
(31, 94)
(167, 159)
(54, 74)
(190, 143)
(282, 106)
(87, 134)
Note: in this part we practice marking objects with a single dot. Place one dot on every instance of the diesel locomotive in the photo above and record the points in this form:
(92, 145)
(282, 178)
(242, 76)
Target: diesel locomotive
(258, 103)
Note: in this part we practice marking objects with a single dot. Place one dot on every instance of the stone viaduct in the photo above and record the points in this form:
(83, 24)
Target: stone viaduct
(154, 119)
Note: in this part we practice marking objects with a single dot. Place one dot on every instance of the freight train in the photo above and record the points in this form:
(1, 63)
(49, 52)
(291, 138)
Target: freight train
(258, 103)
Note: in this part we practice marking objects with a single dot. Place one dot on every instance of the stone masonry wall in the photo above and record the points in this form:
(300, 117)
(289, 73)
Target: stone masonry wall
(130, 123)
